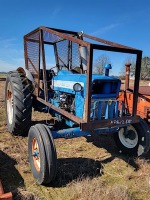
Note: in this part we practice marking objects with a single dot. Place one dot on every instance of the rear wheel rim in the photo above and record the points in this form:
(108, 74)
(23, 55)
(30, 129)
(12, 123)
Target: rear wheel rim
(36, 154)
(130, 138)
(9, 98)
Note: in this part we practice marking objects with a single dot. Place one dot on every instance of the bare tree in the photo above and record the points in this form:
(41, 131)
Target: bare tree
(100, 63)
(145, 67)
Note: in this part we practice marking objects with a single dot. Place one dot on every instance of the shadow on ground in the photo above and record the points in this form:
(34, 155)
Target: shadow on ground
(10, 177)
(106, 141)
(2, 79)
(71, 169)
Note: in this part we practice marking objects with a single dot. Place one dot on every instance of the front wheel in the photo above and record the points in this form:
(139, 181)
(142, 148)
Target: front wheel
(42, 154)
(134, 139)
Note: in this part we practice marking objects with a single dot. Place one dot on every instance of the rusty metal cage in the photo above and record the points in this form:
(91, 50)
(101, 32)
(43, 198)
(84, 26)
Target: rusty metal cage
(66, 51)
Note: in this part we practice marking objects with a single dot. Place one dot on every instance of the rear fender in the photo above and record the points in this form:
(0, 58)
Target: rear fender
(27, 73)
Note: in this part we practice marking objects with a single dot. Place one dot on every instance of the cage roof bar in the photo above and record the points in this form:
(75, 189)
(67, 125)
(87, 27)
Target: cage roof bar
(107, 42)
(63, 33)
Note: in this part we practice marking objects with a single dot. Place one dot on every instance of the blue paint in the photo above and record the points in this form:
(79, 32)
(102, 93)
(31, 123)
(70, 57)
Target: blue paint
(111, 112)
(76, 132)
(79, 104)
(104, 110)
(69, 123)
(116, 109)
(107, 82)
(107, 68)
(70, 133)
(105, 89)
(35, 154)
(106, 113)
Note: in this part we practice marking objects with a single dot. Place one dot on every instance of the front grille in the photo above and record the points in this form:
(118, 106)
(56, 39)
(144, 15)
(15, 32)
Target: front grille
(105, 109)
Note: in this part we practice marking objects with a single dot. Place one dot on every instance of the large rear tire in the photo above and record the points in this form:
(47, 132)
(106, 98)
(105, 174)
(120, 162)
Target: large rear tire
(18, 103)
(42, 154)
(133, 140)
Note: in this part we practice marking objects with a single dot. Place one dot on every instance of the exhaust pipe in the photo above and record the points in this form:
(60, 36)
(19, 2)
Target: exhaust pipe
(83, 54)
(127, 75)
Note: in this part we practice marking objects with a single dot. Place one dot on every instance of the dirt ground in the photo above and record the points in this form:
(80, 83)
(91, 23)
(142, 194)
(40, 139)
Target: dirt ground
(88, 167)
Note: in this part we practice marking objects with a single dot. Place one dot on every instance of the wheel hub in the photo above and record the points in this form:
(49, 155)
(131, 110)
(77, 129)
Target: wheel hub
(128, 136)
(9, 102)
(36, 154)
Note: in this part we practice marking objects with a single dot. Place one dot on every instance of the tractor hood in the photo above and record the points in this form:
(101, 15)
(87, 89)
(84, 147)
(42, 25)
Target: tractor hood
(102, 86)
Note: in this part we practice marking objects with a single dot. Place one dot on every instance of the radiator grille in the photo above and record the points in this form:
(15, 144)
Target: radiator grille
(106, 109)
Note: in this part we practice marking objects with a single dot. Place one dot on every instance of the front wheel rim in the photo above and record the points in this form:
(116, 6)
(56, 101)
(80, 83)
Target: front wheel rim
(129, 137)
(9, 102)
(36, 154)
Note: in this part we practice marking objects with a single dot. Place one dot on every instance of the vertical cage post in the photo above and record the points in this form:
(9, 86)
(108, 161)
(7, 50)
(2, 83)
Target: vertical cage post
(69, 54)
(88, 84)
(136, 83)
(25, 53)
(44, 65)
(39, 63)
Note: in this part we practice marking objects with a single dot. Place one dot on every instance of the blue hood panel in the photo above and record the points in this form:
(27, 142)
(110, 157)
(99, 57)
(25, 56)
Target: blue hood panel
(65, 80)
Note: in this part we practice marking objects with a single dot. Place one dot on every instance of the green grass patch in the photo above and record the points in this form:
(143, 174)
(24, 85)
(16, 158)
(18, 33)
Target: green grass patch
(3, 75)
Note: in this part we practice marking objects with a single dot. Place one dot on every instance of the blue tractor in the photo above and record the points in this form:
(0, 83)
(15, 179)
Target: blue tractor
(69, 90)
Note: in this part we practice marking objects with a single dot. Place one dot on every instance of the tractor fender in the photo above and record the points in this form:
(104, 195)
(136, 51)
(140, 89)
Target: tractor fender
(144, 144)
(27, 73)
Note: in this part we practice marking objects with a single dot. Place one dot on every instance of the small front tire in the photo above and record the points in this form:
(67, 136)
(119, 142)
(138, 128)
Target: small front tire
(42, 154)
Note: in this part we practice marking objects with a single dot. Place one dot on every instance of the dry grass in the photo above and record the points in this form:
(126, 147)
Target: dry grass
(88, 168)
(87, 189)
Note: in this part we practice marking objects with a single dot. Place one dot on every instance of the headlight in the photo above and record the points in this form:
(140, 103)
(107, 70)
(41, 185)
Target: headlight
(77, 87)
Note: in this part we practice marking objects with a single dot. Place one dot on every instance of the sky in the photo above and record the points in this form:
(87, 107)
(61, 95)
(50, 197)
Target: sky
(122, 21)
